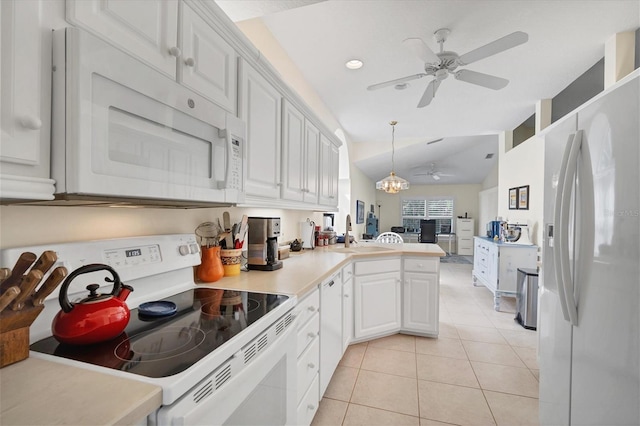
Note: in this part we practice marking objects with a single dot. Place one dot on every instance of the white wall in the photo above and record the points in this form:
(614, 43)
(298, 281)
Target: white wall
(465, 201)
(33, 225)
(520, 166)
(363, 189)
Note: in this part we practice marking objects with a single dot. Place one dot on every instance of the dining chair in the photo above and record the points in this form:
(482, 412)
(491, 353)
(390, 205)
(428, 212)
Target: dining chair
(389, 237)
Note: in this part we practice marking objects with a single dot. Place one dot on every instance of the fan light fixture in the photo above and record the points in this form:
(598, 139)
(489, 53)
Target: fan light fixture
(392, 184)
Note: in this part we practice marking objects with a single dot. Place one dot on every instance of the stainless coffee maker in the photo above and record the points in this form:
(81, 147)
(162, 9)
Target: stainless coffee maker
(263, 243)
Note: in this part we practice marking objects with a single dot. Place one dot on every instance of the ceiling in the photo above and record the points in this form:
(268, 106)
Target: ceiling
(566, 37)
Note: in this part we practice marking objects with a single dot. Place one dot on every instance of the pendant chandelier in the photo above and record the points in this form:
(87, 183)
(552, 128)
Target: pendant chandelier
(392, 184)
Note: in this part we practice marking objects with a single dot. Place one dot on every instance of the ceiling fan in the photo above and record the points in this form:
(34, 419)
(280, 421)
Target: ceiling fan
(436, 175)
(440, 65)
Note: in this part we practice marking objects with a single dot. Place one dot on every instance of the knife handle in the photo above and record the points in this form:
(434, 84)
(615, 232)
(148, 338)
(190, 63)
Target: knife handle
(4, 274)
(28, 284)
(45, 261)
(8, 296)
(52, 281)
(24, 261)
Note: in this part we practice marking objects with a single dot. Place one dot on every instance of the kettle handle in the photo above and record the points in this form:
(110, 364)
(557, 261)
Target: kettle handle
(93, 267)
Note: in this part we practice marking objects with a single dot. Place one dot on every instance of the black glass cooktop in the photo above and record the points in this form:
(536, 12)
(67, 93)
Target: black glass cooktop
(160, 346)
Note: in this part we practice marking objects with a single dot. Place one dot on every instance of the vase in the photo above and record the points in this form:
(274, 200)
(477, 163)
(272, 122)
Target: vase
(210, 269)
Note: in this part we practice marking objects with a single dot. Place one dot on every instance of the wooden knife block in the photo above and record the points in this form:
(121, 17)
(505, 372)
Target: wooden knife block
(14, 333)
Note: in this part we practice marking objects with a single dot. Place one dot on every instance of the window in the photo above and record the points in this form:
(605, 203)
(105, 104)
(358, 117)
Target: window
(439, 208)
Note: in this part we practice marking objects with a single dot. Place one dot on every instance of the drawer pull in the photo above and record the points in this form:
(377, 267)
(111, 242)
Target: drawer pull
(346, 296)
(311, 335)
(311, 365)
(311, 407)
(311, 308)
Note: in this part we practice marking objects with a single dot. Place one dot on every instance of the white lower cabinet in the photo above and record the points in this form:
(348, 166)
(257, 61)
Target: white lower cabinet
(347, 306)
(308, 353)
(330, 328)
(377, 296)
(421, 295)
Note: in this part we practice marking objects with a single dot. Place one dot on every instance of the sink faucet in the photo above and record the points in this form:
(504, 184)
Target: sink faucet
(346, 234)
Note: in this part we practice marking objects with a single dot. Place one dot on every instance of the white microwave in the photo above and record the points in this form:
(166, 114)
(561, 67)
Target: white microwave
(123, 133)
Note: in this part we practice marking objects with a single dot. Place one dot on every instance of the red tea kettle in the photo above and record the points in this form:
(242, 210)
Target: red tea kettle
(96, 318)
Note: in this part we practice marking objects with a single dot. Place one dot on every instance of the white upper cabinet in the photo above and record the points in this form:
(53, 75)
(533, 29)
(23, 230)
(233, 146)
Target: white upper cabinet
(328, 172)
(208, 62)
(25, 101)
(293, 158)
(300, 156)
(179, 43)
(260, 107)
(148, 29)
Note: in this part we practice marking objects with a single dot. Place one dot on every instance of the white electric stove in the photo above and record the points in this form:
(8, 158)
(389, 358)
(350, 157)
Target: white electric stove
(223, 356)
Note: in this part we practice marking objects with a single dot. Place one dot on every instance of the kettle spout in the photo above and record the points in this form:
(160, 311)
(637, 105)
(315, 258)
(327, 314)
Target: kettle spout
(125, 290)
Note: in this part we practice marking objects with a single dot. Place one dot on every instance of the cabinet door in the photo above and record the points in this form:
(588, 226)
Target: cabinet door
(293, 158)
(25, 100)
(420, 303)
(347, 314)
(148, 29)
(328, 172)
(512, 258)
(312, 162)
(377, 304)
(330, 329)
(260, 108)
(208, 63)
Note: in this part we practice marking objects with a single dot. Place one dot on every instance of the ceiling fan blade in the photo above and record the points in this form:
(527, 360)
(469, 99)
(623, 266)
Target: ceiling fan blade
(396, 81)
(429, 93)
(421, 50)
(502, 44)
(435, 177)
(481, 79)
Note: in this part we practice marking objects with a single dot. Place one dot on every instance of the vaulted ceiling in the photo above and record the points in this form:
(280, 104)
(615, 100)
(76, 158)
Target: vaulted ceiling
(565, 38)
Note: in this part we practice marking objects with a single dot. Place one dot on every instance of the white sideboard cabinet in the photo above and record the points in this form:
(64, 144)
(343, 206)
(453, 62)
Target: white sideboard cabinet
(495, 265)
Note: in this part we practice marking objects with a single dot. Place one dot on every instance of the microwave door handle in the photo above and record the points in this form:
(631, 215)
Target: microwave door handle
(559, 229)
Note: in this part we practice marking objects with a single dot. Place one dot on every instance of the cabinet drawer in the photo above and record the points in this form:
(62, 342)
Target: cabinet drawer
(465, 243)
(307, 308)
(466, 251)
(308, 334)
(308, 368)
(347, 273)
(377, 266)
(309, 404)
(423, 264)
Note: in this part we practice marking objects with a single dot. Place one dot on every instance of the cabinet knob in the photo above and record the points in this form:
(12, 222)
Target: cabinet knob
(311, 407)
(311, 335)
(346, 295)
(30, 122)
(190, 62)
(175, 51)
(311, 308)
(311, 365)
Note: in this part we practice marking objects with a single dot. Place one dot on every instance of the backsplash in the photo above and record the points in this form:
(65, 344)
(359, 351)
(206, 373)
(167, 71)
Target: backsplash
(34, 225)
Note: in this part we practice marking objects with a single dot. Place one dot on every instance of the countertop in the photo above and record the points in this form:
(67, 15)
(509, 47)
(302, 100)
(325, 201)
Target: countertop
(304, 270)
(39, 392)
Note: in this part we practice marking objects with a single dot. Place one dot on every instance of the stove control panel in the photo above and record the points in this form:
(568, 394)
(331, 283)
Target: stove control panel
(132, 256)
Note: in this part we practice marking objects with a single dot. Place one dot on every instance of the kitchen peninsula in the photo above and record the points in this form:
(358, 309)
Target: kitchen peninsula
(301, 276)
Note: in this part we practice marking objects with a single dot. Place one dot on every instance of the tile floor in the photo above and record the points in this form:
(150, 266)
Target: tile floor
(482, 370)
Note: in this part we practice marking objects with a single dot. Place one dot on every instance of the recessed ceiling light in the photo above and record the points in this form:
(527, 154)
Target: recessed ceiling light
(354, 64)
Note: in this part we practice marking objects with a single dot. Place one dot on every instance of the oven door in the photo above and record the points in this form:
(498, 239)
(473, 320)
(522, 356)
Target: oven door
(262, 393)
(122, 129)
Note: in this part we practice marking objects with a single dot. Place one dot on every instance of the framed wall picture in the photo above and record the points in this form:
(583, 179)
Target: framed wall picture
(523, 198)
(513, 198)
(359, 211)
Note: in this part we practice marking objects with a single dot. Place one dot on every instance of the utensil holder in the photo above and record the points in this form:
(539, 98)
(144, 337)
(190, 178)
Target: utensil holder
(231, 260)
